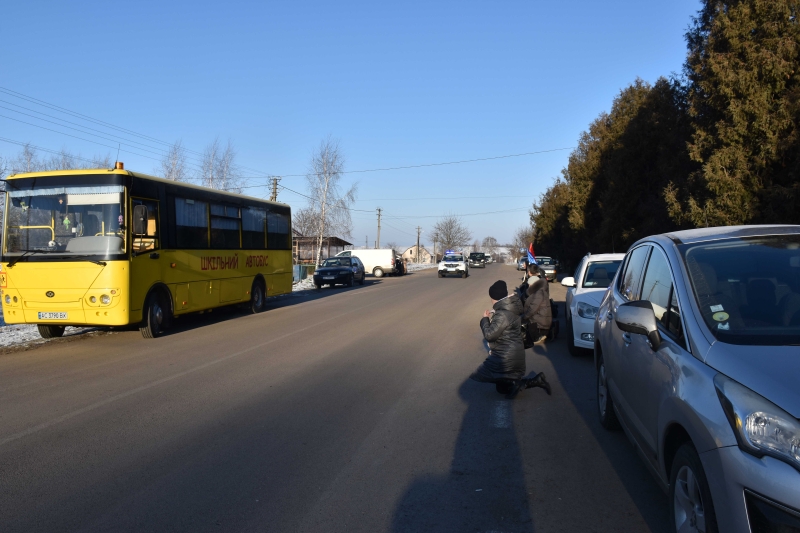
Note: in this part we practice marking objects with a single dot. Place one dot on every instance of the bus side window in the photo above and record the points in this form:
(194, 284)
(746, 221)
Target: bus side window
(149, 241)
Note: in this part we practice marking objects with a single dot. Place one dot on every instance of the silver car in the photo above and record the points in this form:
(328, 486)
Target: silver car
(697, 350)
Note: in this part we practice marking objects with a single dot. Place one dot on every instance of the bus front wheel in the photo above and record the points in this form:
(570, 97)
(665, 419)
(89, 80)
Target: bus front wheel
(257, 297)
(155, 316)
(50, 332)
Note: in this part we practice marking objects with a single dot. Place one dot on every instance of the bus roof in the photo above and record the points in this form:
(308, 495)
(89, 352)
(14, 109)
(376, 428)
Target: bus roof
(98, 171)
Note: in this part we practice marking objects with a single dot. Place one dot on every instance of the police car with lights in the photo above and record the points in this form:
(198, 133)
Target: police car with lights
(453, 263)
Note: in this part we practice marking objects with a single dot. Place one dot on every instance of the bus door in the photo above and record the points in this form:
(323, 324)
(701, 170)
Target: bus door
(145, 254)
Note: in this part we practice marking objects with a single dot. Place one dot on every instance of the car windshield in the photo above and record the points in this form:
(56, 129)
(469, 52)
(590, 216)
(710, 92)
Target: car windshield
(599, 274)
(476, 255)
(748, 289)
(65, 221)
(452, 258)
(545, 261)
(337, 262)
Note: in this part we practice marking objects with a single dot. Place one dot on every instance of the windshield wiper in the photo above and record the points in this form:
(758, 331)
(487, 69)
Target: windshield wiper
(95, 261)
(16, 259)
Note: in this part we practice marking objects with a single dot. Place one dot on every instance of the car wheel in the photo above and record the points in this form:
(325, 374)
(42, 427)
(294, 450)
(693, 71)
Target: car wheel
(351, 281)
(441, 275)
(363, 277)
(690, 496)
(605, 406)
(464, 275)
(573, 350)
(50, 332)
(154, 316)
(318, 286)
(257, 297)
(378, 272)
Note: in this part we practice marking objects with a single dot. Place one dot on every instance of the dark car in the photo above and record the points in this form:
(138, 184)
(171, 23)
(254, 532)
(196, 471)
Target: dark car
(477, 259)
(548, 266)
(341, 271)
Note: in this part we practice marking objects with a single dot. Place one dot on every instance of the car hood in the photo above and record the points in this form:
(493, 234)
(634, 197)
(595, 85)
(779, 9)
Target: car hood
(590, 296)
(331, 270)
(771, 371)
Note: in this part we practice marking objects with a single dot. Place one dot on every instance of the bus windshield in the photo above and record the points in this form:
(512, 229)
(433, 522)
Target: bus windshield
(73, 220)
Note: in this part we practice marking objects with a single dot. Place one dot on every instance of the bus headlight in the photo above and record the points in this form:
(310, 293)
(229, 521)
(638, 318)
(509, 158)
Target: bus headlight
(105, 299)
(93, 299)
(8, 298)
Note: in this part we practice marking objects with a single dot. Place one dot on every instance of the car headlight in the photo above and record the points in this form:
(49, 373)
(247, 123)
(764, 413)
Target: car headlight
(761, 427)
(587, 311)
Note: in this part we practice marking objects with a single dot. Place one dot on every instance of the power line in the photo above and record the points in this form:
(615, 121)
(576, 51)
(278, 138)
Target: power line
(81, 116)
(48, 150)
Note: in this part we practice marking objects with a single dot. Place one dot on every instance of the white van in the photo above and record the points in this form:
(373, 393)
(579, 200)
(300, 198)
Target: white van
(379, 262)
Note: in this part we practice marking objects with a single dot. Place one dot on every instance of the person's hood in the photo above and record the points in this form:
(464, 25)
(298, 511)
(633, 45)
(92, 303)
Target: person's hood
(510, 303)
(771, 371)
(534, 284)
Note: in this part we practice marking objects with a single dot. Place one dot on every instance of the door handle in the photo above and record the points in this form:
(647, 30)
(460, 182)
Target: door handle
(154, 255)
(609, 316)
(626, 337)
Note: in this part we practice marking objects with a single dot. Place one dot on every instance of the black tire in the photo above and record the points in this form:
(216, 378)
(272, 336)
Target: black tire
(440, 274)
(154, 316)
(318, 286)
(351, 281)
(687, 482)
(258, 297)
(573, 350)
(605, 405)
(363, 278)
(464, 275)
(50, 332)
(378, 272)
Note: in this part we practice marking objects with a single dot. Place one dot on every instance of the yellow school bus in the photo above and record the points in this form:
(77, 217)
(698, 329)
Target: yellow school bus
(109, 247)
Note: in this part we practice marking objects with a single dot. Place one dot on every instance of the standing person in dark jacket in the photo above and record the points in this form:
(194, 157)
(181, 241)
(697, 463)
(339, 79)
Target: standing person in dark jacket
(505, 366)
(538, 314)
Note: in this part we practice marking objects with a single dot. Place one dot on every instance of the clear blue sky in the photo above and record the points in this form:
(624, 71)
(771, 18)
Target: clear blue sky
(401, 84)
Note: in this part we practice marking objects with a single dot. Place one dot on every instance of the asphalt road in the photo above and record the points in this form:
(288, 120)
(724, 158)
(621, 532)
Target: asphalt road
(343, 410)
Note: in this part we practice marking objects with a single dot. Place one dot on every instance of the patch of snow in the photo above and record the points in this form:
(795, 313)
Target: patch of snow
(303, 285)
(413, 267)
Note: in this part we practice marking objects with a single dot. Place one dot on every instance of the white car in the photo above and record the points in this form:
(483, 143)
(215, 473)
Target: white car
(584, 292)
(453, 263)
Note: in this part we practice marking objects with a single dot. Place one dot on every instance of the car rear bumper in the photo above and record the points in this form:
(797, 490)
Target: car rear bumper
(752, 494)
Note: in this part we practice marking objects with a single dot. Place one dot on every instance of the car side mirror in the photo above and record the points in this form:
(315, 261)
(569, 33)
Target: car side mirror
(140, 220)
(638, 317)
(568, 282)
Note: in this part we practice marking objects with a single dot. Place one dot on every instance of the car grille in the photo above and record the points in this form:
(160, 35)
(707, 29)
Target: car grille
(450, 265)
(767, 516)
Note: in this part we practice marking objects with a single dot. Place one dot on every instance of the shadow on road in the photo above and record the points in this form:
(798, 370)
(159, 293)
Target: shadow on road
(485, 488)
(576, 375)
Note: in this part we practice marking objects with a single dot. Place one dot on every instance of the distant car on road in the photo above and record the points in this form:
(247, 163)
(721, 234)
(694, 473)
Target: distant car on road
(522, 264)
(584, 291)
(696, 350)
(453, 263)
(339, 271)
(548, 266)
(477, 259)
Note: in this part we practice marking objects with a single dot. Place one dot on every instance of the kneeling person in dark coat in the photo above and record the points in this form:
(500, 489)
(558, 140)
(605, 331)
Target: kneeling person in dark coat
(505, 365)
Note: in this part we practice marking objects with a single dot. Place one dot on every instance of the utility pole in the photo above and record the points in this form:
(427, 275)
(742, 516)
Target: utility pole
(378, 241)
(418, 232)
(366, 242)
(274, 197)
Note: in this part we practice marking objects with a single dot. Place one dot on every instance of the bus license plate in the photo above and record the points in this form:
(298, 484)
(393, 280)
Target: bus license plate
(52, 316)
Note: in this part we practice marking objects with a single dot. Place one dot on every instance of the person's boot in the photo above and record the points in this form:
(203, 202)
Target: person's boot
(539, 381)
(517, 386)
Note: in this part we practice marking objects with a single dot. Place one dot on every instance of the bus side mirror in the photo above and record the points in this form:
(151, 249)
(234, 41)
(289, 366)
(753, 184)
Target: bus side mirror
(140, 220)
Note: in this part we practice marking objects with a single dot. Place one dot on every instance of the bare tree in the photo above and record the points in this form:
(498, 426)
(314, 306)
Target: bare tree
(173, 164)
(218, 169)
(304, 221)
(522, 237)
(392, 245)
(451, 233)
(476, 246)
(26, 161)
(489, 245)
(329, 204)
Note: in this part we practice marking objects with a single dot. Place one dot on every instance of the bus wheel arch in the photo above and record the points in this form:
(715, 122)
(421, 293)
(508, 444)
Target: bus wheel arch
(258, 295)
(156, 312)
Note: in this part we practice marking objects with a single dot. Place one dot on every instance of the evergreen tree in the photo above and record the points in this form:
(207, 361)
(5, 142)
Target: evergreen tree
(744, 95)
